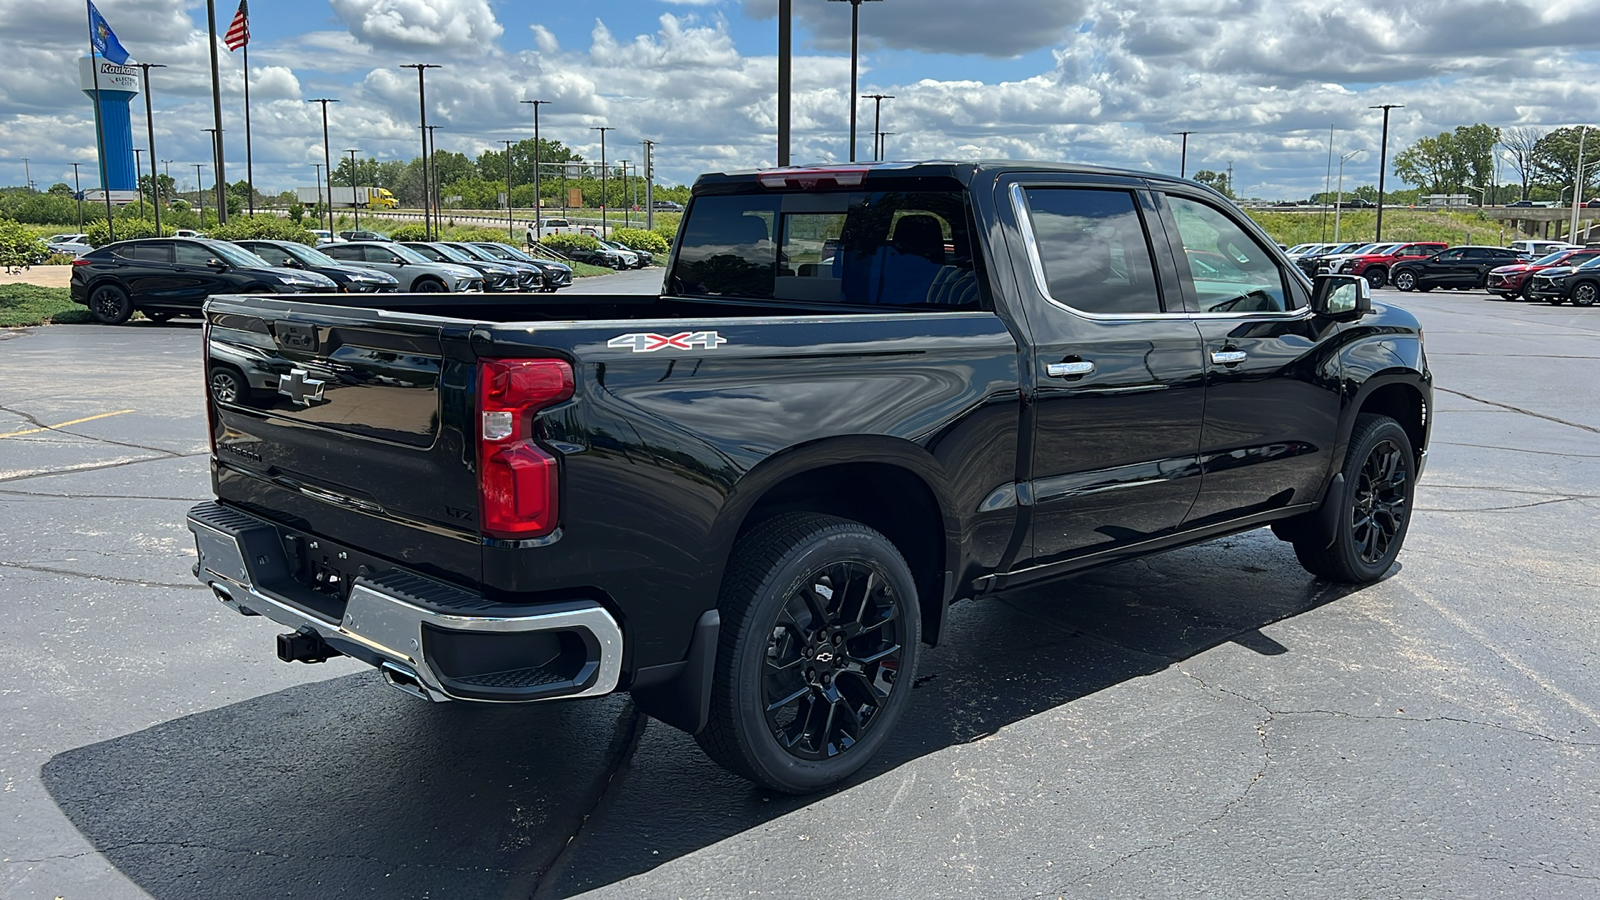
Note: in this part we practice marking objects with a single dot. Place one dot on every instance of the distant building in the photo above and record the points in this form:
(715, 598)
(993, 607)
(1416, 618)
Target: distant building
(1446, 200)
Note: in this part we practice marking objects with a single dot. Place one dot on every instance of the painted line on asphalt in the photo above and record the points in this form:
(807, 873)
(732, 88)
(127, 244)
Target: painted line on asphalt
(65, 424)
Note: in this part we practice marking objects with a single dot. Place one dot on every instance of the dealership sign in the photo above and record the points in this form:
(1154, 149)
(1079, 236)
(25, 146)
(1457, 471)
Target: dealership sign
(112, 76)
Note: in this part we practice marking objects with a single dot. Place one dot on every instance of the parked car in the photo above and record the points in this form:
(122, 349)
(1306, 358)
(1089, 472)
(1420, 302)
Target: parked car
(752, 500)
(636, 259)
(324, 236)
(557, 275)
(1530, 250)
(1516, 280)
(599, 256)
(350, 279)
(498, 278)
(1309, 263)
(415, 272)
(166, 277)
(1330, 262)
(1460, 268)
(75, 244)
(549, 227)
(1559, 284)
(1299, 250)
(530, 275)
(364, 236)
(1374, 267)
(187, 233)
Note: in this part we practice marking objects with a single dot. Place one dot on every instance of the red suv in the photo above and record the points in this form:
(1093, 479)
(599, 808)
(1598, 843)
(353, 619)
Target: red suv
(1516, 281)
(1375, 266)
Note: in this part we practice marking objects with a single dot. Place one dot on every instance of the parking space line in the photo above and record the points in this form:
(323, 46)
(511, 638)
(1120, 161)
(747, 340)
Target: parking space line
(65, 424)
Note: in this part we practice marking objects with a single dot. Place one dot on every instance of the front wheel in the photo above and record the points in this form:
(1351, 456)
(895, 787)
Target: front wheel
(428, 286)
(1584, 294)
(1374, 506)
(818, 649)
(1405, 281)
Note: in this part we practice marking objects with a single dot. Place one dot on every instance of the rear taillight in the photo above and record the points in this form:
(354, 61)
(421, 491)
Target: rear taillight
(519, 483)
(80, 261)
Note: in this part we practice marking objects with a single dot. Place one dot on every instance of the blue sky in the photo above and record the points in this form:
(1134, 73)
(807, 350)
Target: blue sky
(1099, 81)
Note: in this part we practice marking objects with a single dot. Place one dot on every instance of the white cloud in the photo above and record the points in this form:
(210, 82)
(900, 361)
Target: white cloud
(463, 26)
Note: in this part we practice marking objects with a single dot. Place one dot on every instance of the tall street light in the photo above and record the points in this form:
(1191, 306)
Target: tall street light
(436, 198)
(138, 164)
(200, 192)
(877, 118)
(77, 188)
(1338, 196)
(1183, 158)
(1383, 162)
(318, 167)
(327, 158)
(603, 196)
(855, 56)
(649, 186)
(422, 100)
(150, 127)
(537, 151)
(785, 68)
(883, 144)
(355, 202)
(510, 230)
(216, 154)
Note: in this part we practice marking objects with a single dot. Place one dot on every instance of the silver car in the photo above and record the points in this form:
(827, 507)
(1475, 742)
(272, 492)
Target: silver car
(415, 272)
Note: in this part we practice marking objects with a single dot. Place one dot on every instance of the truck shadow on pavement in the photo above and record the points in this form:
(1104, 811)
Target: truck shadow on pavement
(346, 786)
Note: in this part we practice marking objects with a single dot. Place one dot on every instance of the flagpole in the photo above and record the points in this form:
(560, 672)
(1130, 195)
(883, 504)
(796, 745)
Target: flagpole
(249, 164)
(99, 127)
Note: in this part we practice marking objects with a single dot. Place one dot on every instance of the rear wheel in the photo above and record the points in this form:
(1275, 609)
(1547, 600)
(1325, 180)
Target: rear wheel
(1376, 277)
(1374, 506)
(1584, 293)
(820, 632)
(109, 305)
(1405, 280)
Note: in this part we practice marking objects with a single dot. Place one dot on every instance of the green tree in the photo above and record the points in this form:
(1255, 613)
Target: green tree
(1555, 159)
(60, 189)
(1217, 180)
(1432, 164)
(19, 248)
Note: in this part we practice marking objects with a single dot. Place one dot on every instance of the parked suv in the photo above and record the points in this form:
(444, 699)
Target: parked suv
(415, 272)
(164, 277)
(497, 278)
(349, 278)
(1461, 268)
(1535, 249)
(530, 277)
(556, 274)
(1310, 262)
(1374, 267)
(1516, 280)
(1558, 284)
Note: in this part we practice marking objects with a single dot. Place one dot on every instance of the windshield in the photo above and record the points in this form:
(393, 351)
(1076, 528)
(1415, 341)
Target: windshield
(407, 254)
(471, 252)
(1366, 248)
(1552, 259)
(495, 251)
(450, 253)
(307, 255)
(237, 255)
(1591, 264)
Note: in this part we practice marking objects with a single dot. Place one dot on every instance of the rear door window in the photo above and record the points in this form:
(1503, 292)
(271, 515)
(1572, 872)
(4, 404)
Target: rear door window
(155, 251)
(1092, 250)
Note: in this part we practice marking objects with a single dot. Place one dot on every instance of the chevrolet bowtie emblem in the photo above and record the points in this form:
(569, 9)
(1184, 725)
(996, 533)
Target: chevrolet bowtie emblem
(301, 388)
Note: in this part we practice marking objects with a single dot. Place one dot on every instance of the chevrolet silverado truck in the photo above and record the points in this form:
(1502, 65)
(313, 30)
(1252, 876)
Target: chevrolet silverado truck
(863, 394)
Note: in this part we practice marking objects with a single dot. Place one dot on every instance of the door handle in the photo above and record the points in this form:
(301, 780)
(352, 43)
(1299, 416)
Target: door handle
(1229, 357)
(1072, 369)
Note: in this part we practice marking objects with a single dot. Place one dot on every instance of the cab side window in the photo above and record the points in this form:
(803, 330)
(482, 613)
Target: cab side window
(152, 252)
(1092, 250)
(338, 252)
(193, 255)
(1232, 272)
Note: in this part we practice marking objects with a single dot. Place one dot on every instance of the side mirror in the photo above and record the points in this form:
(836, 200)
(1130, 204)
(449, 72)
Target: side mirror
(397, 260)
(1341, 296)
(217, 264)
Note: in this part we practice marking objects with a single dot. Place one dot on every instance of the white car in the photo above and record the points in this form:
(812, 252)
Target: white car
(324, 236)
(1532, 250)
(75, 244)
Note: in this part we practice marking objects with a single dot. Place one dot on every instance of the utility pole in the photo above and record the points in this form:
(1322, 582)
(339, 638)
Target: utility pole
(1383, 162)
(603, 173)
(422, 100)
(216, 109)
(138, 164)
(355, 201)
(27, 174)
(510, 230)
(318, 167)
(150, 127)
(327, 158)
(883, 143)
(1183, 158)
(785, 65)
(538, 204)
(77, 188)
(877, 118)
(649, 186)
(438, 189)
(1338, 195)
(1577, 186)
(627, 205)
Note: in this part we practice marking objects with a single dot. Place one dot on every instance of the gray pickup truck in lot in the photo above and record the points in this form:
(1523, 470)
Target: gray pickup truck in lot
(864, 393)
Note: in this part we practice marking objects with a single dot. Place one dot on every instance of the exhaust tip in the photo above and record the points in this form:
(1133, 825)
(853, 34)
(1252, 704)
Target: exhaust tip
(406, 681)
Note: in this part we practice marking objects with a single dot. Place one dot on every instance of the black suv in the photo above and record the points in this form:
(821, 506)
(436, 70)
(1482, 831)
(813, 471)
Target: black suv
(165, 277)
(1462, 268)
(350, 279)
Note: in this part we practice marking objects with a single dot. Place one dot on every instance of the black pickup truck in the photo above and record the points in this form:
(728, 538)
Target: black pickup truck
(865, 393)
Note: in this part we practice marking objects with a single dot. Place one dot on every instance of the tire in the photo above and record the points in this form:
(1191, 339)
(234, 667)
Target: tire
(815, 719)
(1525, 293)
(228, 385)
(1556, 299)
(1376, 277)
(428, 286)
(159, 317)
(109, 305)
(1405, 280)
(1584, 293)
(1374, 506)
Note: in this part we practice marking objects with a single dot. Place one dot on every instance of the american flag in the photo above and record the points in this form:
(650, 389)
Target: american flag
(239, 32)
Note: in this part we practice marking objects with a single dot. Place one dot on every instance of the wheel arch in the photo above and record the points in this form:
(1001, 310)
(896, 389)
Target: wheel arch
(1402, 394)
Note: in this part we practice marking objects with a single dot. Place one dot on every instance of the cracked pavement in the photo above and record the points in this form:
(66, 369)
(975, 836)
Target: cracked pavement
(1207, 723)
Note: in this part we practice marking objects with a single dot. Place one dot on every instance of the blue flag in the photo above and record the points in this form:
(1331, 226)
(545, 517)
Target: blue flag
(104, 39)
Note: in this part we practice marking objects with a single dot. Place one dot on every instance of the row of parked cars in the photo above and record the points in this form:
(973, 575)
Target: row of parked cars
(166, 277)
(1549, 271)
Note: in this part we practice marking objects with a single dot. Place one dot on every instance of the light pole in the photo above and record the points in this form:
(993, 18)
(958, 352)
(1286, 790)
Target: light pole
(1383, 162)
(538, 204)
(855, 55)
(27, 174)
(1338, 197)
(438, 190)
(603, 197)
(216, 148)
(1183, 158)
(1577, 186)
(318, 167)
(77, 188)
(327, 158)
(216, 111)
(138, 164)
(877, 110)
(422, 101)
(150, 128)
(627, 206)
(649, 186)
(510, 232)
(883, 143)
(785, 67)
(200, 192)
(355, 202)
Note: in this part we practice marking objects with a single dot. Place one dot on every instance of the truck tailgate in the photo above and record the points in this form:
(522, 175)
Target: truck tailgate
(357, 424)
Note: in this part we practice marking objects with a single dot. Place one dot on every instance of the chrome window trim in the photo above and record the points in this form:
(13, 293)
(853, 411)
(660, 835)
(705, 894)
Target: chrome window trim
(1019, 205)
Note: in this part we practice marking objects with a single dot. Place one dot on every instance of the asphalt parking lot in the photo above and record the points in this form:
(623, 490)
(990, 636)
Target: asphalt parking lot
(1208, 723)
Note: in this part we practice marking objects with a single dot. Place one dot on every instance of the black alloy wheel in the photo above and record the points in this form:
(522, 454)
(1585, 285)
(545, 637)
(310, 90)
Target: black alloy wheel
(1376, 277)
(1405, 280)
(1376, 499)
(1584, 293)
(228, 385)
(109, 305)
(428, 286)
(1525, 293)
(819, 640)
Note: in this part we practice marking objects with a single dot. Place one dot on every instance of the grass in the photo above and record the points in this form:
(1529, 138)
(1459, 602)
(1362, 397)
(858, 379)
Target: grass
(27, 304)
(1399, 224)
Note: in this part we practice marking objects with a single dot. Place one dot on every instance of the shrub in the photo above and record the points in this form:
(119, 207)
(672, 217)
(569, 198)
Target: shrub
(127, 229)
(19, 248)
(478, 233)
(639, 239)
(409, 233)
(297, 212)
(566, 243)
(263, 226)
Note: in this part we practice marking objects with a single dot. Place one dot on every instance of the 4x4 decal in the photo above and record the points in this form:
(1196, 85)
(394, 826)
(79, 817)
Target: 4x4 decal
(683, 340)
